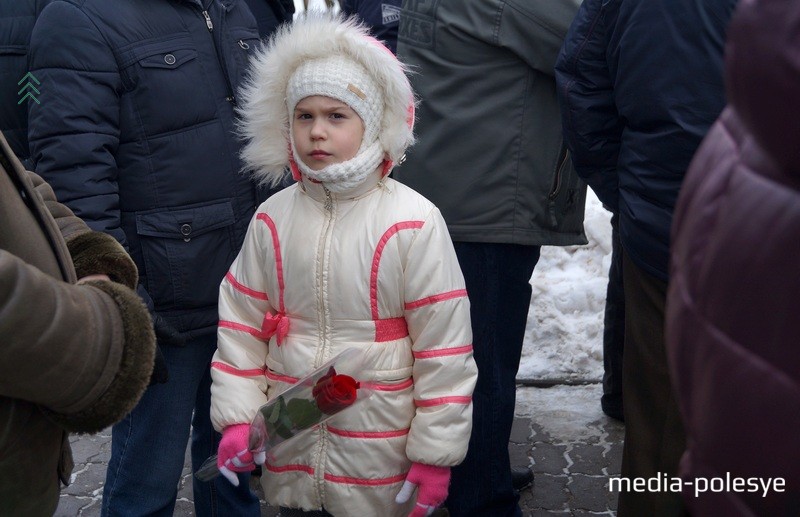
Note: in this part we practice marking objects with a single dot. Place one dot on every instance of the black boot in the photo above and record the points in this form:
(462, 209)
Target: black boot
(521, 478)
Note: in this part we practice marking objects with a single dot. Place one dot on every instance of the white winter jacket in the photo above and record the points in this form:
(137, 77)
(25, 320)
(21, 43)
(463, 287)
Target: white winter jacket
(374, 269)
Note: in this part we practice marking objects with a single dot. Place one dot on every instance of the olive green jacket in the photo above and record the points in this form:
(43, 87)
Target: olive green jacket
(489, 151)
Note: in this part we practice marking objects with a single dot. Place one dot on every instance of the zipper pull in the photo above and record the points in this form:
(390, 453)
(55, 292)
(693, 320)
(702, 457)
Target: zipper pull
(208, 21)
(328, 199)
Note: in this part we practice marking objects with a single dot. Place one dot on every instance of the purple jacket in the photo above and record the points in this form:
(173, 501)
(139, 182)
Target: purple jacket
(733, 325)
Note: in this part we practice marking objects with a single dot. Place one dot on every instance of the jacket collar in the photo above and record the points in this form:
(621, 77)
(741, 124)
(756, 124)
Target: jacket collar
(317, 191)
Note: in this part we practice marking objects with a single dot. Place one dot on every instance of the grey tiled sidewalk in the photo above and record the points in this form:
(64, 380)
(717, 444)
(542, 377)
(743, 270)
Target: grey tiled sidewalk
(560, 432)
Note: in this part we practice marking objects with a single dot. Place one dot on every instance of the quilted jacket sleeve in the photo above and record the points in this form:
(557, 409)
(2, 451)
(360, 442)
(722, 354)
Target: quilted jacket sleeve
(91, 252)
(437, 313)
(74, 130)
(592, 126)
(238, 368)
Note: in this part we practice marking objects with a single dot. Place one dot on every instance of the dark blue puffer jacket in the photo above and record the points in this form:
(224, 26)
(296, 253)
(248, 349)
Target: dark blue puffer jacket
(640, 84)
(16, 24)
(382, 18)
(270, 14)
(135, 133)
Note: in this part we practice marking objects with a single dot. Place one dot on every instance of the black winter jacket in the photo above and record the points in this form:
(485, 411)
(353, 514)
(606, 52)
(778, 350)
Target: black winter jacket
(639, 84)
(16, 24)
(270, 14)
(135, 134)
(382, 17)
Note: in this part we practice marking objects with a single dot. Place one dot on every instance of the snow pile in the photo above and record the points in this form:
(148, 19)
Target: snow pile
(564, 334)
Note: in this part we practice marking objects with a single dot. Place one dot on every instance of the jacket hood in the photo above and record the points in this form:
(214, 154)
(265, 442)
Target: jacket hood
(264, 115)
(763, 75)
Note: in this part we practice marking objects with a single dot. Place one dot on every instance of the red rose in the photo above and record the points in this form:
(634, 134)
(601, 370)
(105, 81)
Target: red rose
(334, 392)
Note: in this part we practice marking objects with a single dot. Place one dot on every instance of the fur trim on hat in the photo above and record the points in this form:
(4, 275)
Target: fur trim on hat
(263, 111)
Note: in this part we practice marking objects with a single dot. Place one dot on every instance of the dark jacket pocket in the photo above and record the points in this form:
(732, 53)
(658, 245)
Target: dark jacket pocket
(186, 253)
(162, 77)
(566, 195)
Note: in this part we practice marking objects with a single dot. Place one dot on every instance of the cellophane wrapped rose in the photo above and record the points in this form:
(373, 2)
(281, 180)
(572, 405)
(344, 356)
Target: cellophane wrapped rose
(301, 407)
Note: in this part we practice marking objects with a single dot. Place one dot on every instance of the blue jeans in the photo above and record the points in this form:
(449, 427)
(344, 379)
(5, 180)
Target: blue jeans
(498, 284)
(148, 447)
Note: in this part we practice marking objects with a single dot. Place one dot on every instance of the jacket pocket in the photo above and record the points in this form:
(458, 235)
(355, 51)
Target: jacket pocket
(566, 192)
(186, 252)
(165, 84)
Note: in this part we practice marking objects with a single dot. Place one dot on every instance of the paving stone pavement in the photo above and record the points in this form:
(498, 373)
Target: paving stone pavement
(559, 432)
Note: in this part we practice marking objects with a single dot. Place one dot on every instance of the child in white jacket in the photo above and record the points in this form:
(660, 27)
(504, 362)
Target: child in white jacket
(346, 257)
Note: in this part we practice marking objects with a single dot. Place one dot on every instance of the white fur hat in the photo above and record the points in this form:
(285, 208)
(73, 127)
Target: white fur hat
(289, 69)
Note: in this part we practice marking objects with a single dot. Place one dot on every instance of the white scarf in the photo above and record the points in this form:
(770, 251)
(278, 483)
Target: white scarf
(343, 176)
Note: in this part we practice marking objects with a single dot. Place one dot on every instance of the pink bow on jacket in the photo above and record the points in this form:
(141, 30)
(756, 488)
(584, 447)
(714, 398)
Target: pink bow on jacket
(275, 324)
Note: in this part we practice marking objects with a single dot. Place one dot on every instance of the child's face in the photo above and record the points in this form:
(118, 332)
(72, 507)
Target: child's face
(325, 131)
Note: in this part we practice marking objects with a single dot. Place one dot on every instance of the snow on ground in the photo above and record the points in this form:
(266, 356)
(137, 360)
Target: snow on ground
(564, 334)
(568, 413)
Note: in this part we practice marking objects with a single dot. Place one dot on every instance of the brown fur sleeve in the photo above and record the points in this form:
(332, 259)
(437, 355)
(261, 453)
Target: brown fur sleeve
(133, 375)
(99, 253)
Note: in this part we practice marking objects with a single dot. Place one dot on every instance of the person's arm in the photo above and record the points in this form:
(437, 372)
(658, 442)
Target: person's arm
(85, 353)
(93, 253)
(238, 369)
(74, 129)
(591, 123)
(444, 372)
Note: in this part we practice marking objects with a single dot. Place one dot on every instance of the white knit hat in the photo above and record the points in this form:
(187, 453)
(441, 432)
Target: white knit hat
(322, 54)
(343, 79)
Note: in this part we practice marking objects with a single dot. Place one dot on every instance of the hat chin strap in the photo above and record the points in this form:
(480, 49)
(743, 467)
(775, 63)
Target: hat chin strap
(343, 176)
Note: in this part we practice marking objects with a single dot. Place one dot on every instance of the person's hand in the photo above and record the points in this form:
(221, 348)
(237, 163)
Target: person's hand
(233, 454)
(432, 483)
(166, 334)
(160, 373)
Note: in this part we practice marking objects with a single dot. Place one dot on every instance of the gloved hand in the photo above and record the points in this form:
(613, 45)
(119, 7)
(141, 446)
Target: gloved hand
(160, 373)
(166, 334)
(233, 454)
(431, 482)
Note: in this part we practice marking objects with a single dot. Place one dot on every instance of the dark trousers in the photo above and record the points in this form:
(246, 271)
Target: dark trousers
(498, 285)
(654, 435)
(148, 446)
(613, 329)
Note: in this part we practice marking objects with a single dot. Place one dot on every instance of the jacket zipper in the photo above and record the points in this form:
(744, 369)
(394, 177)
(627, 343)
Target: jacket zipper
(208, 21)
(326, 231)
(210, 25)
(562, 162)
(319, 470)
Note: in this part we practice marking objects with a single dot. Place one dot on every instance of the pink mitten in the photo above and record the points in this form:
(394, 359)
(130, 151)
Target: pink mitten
(233, 454)
(431, 483)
